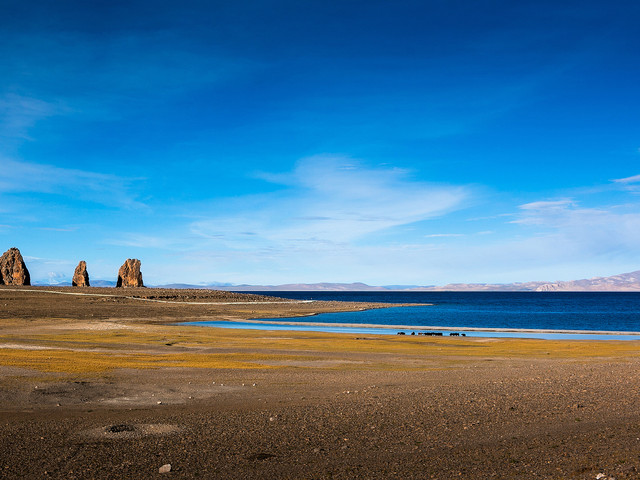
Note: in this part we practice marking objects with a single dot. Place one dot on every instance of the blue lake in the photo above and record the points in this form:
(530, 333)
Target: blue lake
(545, 312)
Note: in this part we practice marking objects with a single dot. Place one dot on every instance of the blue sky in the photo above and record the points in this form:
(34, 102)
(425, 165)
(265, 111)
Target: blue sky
(266, 142)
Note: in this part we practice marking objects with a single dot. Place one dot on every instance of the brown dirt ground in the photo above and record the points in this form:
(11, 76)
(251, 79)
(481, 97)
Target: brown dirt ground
(110, 387)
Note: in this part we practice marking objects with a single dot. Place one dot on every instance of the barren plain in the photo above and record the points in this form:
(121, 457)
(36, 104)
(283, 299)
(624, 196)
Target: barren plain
(108, 384)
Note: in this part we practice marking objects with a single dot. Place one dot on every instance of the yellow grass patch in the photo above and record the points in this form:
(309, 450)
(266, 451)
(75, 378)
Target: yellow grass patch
(70, 361)
(75, 350)
(403, 345)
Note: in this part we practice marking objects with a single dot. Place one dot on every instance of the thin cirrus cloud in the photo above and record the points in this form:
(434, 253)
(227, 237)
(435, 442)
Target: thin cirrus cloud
(332, 200)
(627, 180)
(444, 235)
(99, 71)
(105, 189)
(165, 241)
(580, 230)
(553, 241)
(20, 113)
(630, 184)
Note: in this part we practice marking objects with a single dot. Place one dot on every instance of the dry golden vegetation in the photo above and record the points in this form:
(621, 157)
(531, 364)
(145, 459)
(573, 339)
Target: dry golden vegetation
(71, 348)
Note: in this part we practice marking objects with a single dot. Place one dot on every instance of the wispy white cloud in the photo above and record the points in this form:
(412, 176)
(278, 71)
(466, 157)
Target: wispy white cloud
(105, 78)
(557, 239)
(490, 217)
(332, 200)
(84, 74)
(18, 113)
(632, 179)
(438, 235)
(539, 213)
(554, 240)
(547, 204)
(59, 229)
(106, 189)
(143, 241)
(630, 184)
(585, 231)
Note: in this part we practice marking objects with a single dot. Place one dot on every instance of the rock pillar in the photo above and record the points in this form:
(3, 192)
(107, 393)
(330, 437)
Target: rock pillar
(80, 276)
(129, 274)
(13, 271)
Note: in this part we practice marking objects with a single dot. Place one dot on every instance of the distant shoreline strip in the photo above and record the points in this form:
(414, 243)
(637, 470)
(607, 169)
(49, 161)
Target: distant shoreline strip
(421, 328)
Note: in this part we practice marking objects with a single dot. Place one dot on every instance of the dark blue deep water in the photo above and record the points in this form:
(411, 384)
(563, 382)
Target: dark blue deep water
(584, 311)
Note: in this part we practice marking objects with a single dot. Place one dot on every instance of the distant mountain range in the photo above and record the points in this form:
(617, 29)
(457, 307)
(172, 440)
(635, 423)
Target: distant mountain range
(626, 282)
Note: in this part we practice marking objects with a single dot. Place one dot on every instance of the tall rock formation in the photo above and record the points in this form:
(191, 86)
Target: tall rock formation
(80, 276)
(129, 274)
(13, 271)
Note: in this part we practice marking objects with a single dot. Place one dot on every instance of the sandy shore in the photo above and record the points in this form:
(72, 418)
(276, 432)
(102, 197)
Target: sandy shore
(109, 387)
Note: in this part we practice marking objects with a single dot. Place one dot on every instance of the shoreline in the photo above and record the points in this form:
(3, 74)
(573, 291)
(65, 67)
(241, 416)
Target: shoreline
(415, 331)
(435, 327)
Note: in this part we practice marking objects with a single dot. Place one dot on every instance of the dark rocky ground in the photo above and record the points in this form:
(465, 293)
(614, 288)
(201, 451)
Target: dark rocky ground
(151, 305)
(504, 419)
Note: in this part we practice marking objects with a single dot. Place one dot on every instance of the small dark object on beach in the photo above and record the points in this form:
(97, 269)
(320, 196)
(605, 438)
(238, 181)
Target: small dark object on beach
(413, 333)
(261, 456)
(121, 428)
(401, 333)
(454, 334)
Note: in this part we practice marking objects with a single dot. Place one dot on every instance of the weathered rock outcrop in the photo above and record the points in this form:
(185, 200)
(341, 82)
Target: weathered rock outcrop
(13, 271)
(129, 274)
(80, 276)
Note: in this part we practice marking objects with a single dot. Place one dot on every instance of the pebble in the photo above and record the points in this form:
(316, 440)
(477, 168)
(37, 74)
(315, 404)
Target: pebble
(159, 402)
(165, 468)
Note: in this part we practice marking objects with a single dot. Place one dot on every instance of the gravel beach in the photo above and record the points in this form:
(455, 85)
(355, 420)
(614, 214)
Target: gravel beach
(106, 387)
